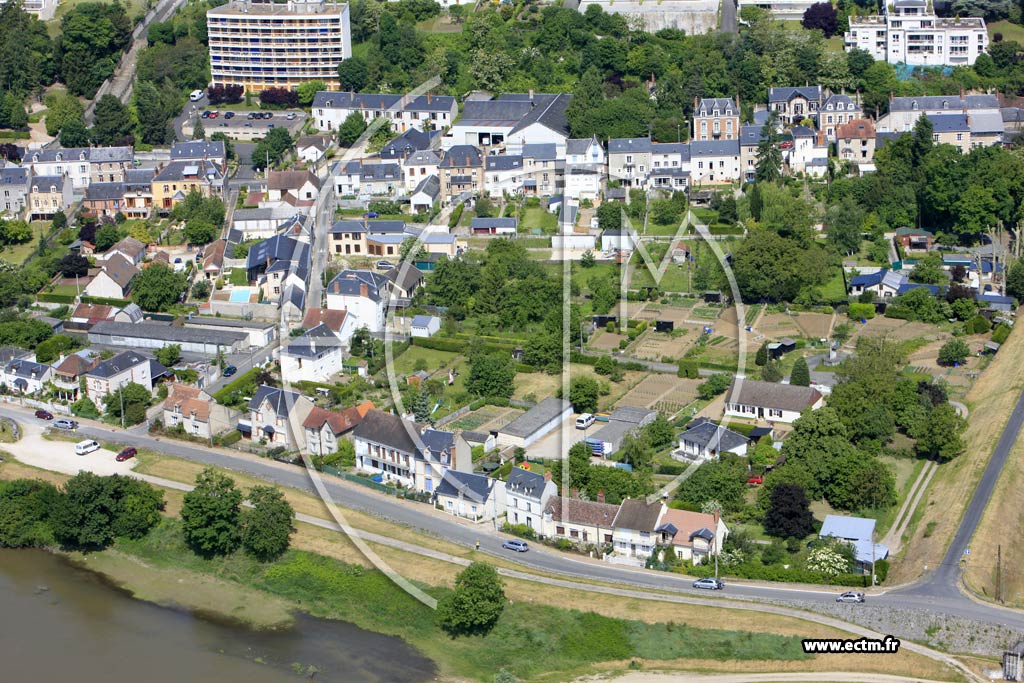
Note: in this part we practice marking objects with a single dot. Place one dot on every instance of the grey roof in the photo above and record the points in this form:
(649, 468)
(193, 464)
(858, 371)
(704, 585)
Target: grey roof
(525, 483)
(462, 156)
(633, 414)
(198, 149)
(350, 100)
(430, 186)
(772, 395)
(26, 368)
(941, 102)
(9, 353)
(90, 154)
(423, 157)
(708, 105)
(280, 400)
(546, 151)
(408, 142)
(715, 148)
(547, 110)
(752, 135)
(120, 362)
(228, 322)
(802, 132)
(348, 282)
(809, 92)
(437, 441)
(503, 162)
(313, 342)
(536, 417)
(708, 435)
(388, 430)
(374, 172)
(626, 145)
(493, 113)
(43, 183)
(986, 122)
(110, 154)
(638, 515)
(949, 123)
(99, 192)
(374, 226)
(134, 312)
(189, 168)
(682, 148)
(579, 145)
(138, 177)
(474, 487)
(14, 175)
(272, 249)
(406, 279)
(849, 104)
(614, 431)
(478, 222)
(165, 333)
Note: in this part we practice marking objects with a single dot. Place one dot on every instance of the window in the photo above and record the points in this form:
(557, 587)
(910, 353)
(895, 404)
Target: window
(560, 530)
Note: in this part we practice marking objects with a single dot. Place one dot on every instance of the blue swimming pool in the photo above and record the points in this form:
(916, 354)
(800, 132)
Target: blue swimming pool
(240, 295)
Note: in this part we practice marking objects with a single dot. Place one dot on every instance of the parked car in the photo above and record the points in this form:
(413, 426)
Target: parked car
(584, 421)
(786, 144)
(850, 596)
(196, 95)
(518, 546)
(756, 480)
(251, 115)
(370, 214)
(64, 423)
(270, 125)
(268, 114)
(291, 116)
(126, 454)
(86, 447)
(385, 265)
(229, 114)
(709, 584)
(44, 414)
(205, 115)
(230, 370)
(214, 114)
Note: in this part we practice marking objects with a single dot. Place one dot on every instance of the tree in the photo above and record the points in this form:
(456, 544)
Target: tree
(62, 108)
(73, 265)
(1015, 280)
(491, 375)
(475, 604)
(112, 124)
(942, 438)
(157, 287)
(636, 451)
(229, 146)
(483, 207)
(50, 350)
(210, 514)
(74, 134)
(308, 90)
(609, 216)
(821, 16)
(954, 352)
(271, 149)
(768, 168)
(138, 507)
(279, 98)
(789, 513)
(353, 74)
(26, 510)
(660, 433)
(713, 386)
(107, 236)
(199, 130)
(93, 510)
(929, 270)
(169, 355)
(761, 357)
(200, 231)
(587, 260)
(126, 395)
(843, 224)
(267, 526)
(93, 34)
(152, 109)
(827, 561)
(764, 453)
(801, 374)
(201, 289)
(59, 221)
(583, 394)
(771, 372)
(226, 94)
(964, 309)
(722, 481)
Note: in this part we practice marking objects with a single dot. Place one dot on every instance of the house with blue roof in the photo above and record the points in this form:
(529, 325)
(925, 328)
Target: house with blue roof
(315, 356)
(425, 325)
(858, 532)
(473, 496)
(271, 414)
(995, 302)
(884, 283)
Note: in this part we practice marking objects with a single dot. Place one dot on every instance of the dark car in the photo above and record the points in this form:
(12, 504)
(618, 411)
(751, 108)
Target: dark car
(44, 414)
(126, 454)
(205, 115)
(229, 114)
(230, 370)
(251, 115)
(518, 546)
(370, 214)
(709, 584)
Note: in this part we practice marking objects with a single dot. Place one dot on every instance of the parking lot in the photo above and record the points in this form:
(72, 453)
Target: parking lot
(236, 123)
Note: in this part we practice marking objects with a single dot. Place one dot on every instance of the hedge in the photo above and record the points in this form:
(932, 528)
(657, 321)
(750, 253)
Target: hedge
(453, 345)
(103, 301)
(776, 572)
(671, 469)
(228, 439)
(583, 359)
(453, 220)
(1000, 333)
(56, 298)
(861, 311)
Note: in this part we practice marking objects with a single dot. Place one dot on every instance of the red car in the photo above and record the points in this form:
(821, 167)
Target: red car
(756, 480)
(44, 414)
(126, 454)
(785, 144)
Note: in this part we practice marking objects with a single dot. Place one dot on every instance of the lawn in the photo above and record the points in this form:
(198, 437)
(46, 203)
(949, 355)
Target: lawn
(434, 360)
(239, 277)
(65, 290)
(834, 289)
(536, 217)
(1009, 30)
(17, 254)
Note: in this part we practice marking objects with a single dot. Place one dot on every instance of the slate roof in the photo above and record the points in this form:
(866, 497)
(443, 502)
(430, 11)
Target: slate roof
(90, 154)
(500, 113)
(525, 483)
(834, 101)
(130, 247)
(14, 175)
(638, 515)
(772, 395)
(986, 122)
(752, 135)
(388, 430)
(120, 270)
(802, 132)
(423, 157)
(198, 149)
(320, 142)
(313, 342)
(949, 123)
(23, 367)
(272, 249)
(546, 151)
(462, 156)
(189, 169)
(473, 487)
(168, 333)
(909, 286)
(714, 148)
(503, 162)
(477, 222)
(725, 105)
(574, 510)
(280, 400)
(548, 111)
(347, 283)
(626, 145)
(405, 144)
(809, 92)
(43, 183)
(119, 363)
(579, 145)
(100, 192)
(942, 102)
(710, 436)
(375, 101)
(430, 186)
(379, 172)
(406, 279)
(138, 178)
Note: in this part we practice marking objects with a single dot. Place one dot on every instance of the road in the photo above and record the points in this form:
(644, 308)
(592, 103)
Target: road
(727, 18)
(323, 219)
(937, 594)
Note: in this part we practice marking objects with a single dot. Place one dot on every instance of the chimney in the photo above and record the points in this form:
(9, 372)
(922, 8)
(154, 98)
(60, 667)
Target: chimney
(600, 496)
(428, 98)
(547, 476)
(716, 520)
(531, 94)
(574, 493)
(364, 291)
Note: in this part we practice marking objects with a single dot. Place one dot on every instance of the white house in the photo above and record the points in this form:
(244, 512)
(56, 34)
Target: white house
(260, 224)
(124, 368)
(316, 356)
(885, 283)
(526, 496)
(425, 325)
(754, 399)
(425, 195)
(634, 533)
(909, 32)
(545, 123)
(25, 376)
(714, 162)
(114, 279)
(360, 178)
(419, 166)
(312, 148)
(809, 153)
(704, 439)
(363, 294)
(271, 412)
(472, 496)
(433, 112)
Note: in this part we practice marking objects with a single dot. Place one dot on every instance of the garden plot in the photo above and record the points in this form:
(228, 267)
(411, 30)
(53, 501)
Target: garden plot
(677, 314)
(658, 345)
(898, 330)
(664, 393)
(775, 326)
(605, 341)
(814, 325)
(486, 419)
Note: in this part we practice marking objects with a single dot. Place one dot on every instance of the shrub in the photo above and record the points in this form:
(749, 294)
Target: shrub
(520, 530)
(456, 216)
(979, 324)
(1000, 333)
(858, 311)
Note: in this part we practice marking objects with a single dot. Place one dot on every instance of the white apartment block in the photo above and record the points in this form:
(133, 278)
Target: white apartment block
(780, 9)
(261, 45)
(425, 112)
(910, 33)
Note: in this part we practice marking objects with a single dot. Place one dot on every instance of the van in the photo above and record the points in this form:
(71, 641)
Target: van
(584, 421)
(196, 95)
(87, 446)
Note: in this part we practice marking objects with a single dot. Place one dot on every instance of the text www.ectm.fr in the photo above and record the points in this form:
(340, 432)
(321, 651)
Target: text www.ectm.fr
(888, 645)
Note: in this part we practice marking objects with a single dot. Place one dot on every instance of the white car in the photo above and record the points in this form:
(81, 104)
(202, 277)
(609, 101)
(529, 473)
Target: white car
(709, 584)
(196, 95)
(850, 596)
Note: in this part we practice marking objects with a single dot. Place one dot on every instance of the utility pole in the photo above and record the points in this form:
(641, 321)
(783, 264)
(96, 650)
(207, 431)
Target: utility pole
(999, 573)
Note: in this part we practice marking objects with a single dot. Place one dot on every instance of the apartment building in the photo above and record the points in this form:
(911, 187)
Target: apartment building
(715, 118)
(261, 45)
(14, 189)
(909, 32)
(177, 179)
(83, 165)
(425, 112)
(461, 173)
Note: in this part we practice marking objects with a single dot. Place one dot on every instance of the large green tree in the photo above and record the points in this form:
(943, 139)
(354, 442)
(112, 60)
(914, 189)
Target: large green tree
(491, 374)
(112, 123)
(211, 514)
(789, 513)
(157, 287)
(26, 509)
(475, 604)
(267, 525)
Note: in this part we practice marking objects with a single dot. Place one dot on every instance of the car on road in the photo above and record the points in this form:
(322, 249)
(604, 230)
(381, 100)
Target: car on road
(126, 454)
(518, 546)
(64, 423)
(196, 95)
(229, 114)
(205, 115)
(86, 447)
(268, 114)
(251, 115)
(270, 125)
(248, 125)
(385, 265)
(44, 414)
(230, 370)
(214, 114)
(370, 214)
(850, 596)
(291, 116)
(709, 584)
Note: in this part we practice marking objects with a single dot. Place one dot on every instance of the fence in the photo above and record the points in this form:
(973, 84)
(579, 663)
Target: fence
(364, 481)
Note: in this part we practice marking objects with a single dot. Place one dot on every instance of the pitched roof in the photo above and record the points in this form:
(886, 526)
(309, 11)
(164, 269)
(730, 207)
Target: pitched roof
(188, 400)
(189, 169)
(118, 364)
(104, 192)
(943, 102)
(574, 510)
(291, 180)
(462, 156)
(773, 395)
(75, 365)
(130, 247)
(213, 256)
(632, 414)
(320, 142)
(92, 312)
(546, 110)
(708, 435)
(375, 101)
(725, 105)
(638, 514)
(339, 421)
(198, 149)
(809, 92)
(388, 430)
(949, 123)
(43, 183)
(280, 400)
(473, 487)
(579, 146)
(348, 283)
(688, 525)
(504, 162)
(405, 144)
(850, 528)
(333, 320)
(536, 417)
(714, 148)
(313, 342)
(626, 145)
(423, 320)
(430, 186)
(120, 270)
(857, 129)
(423, 157)
(525, 483)
(168, 333)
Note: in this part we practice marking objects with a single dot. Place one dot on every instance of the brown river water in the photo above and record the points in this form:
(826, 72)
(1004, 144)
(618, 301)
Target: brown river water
(61, 623)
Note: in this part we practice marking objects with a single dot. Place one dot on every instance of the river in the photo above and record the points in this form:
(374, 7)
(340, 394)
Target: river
(61, 623)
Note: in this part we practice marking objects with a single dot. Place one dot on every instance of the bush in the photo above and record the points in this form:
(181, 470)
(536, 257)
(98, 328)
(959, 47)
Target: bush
(671, 469)
(689, 369)
(456, 216)
(881, 570)
(520, 530)
(278, 98)
(1000, 333)
(979, 324)
(713, 386)
(953, 352)
(858, 311)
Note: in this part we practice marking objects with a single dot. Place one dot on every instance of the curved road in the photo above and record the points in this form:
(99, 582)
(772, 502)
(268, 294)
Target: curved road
(936, 593)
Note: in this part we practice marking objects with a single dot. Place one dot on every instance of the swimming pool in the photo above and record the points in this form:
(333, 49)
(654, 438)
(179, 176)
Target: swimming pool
(241, 295)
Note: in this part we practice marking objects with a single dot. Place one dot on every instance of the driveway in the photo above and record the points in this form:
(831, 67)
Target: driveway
(59, 456)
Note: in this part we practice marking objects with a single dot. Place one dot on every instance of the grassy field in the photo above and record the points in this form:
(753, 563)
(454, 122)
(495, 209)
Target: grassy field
(675, 279)
(17, 254)
(537, 217)
(1009, 30)
(434, 360)
(990, 401)
(239, 277)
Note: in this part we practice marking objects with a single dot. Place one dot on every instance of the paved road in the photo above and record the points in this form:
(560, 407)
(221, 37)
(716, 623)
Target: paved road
(727, 18)
(937, 594)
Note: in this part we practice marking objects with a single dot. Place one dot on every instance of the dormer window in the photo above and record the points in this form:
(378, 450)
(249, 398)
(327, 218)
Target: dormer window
(945, 104)
(913, 105)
